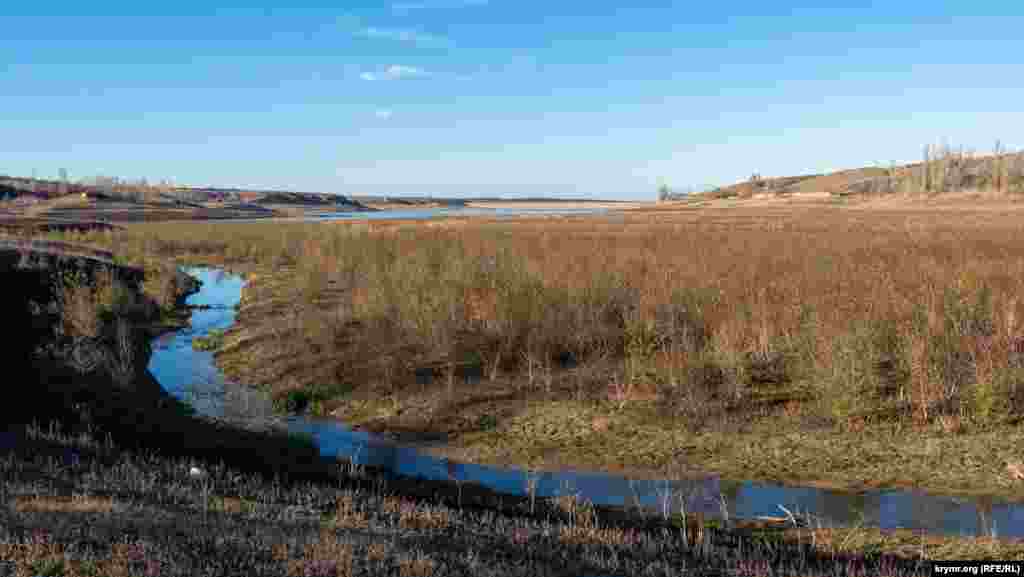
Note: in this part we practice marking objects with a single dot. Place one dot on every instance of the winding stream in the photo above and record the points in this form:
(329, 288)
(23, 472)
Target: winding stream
(191, 375)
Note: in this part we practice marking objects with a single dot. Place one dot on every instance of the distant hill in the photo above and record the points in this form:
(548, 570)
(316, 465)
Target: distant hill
(944, 171)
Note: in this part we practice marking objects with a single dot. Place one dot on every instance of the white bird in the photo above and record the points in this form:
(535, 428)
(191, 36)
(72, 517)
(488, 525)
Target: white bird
(196, 472)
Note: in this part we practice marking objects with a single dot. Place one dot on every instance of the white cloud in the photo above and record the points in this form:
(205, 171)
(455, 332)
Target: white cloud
(404, 35)
(383, 113)
(397, 71)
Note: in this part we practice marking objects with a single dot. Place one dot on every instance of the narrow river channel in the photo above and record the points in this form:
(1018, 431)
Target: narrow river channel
(192, 376)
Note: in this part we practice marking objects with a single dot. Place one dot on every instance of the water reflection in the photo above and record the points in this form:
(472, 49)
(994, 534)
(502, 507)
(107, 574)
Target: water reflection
(185, 372)
(429, 213)
(191, 375)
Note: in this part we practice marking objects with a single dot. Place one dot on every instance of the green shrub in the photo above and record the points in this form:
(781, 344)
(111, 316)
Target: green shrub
(487, 422)
(211, 342)
(293, 401)
(49, 567)
(301, 441)
(852, 377)
(982, 400)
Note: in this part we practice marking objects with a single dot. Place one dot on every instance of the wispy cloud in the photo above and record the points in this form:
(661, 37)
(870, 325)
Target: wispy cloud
(404, 8)
(383, 113)
(404, 35)
(395, 72)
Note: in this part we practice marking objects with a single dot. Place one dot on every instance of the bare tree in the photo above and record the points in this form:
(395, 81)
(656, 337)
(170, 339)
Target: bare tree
(664, 193)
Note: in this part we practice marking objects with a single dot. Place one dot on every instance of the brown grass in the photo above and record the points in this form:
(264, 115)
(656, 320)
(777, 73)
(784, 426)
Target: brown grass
(419, 565)
(325, 556)
(40, 552)
(87, 305)
(376, 551)
(346, 513)
(80, 308)
(700, 322)
(415, 517)
(943, 169)
(69, 504)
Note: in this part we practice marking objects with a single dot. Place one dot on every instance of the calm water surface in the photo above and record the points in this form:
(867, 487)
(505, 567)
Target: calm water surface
(429, 213)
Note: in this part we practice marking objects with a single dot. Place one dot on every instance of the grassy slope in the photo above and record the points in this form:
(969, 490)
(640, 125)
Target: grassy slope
(944, 170)
(78, 505)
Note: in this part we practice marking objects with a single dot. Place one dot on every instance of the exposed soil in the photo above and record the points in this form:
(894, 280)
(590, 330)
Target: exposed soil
(75, 212)
(28, 226)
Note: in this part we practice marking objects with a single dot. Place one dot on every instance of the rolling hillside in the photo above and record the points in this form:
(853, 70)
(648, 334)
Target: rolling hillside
(944, 170)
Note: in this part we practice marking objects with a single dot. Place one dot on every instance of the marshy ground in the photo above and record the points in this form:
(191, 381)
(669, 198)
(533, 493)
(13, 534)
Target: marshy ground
(838, 343)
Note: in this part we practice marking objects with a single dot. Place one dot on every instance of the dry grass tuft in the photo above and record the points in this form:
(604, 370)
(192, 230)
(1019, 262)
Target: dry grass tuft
(414, 516)
(1016, 470)
(346, 514)
(418, 565)
(422, 518)
(325, 556)
(392, 505)
(377, 552)
(38, 555)
(593, 535)
(69, 504)
(232, 505)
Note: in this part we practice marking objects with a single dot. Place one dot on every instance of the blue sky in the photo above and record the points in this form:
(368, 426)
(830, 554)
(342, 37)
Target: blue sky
(471, 97)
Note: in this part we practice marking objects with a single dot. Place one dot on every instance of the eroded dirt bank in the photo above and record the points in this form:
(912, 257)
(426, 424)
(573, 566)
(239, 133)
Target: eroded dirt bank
(97, 379)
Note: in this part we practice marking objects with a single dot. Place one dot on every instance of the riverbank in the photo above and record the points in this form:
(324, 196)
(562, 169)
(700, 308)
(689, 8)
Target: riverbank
(337, 509)
(78, 503)
(786, 426)
(85, 324)
(750, 399)
(265, 504)
(558, 204)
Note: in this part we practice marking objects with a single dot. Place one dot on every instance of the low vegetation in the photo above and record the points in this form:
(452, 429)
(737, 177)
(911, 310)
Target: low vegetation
(80, 503)
(791, 344)
(943, 169)
(210, 342)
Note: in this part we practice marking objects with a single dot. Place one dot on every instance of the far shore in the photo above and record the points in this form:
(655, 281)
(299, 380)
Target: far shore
(558, 204)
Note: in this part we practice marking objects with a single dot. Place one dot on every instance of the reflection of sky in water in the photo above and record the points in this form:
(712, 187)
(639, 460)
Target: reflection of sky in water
(430, 213)
(180, 369)
(185, 372)
(425, 213)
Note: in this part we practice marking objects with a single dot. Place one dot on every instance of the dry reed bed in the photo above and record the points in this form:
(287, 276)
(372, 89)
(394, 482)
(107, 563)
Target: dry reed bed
(806, 328)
